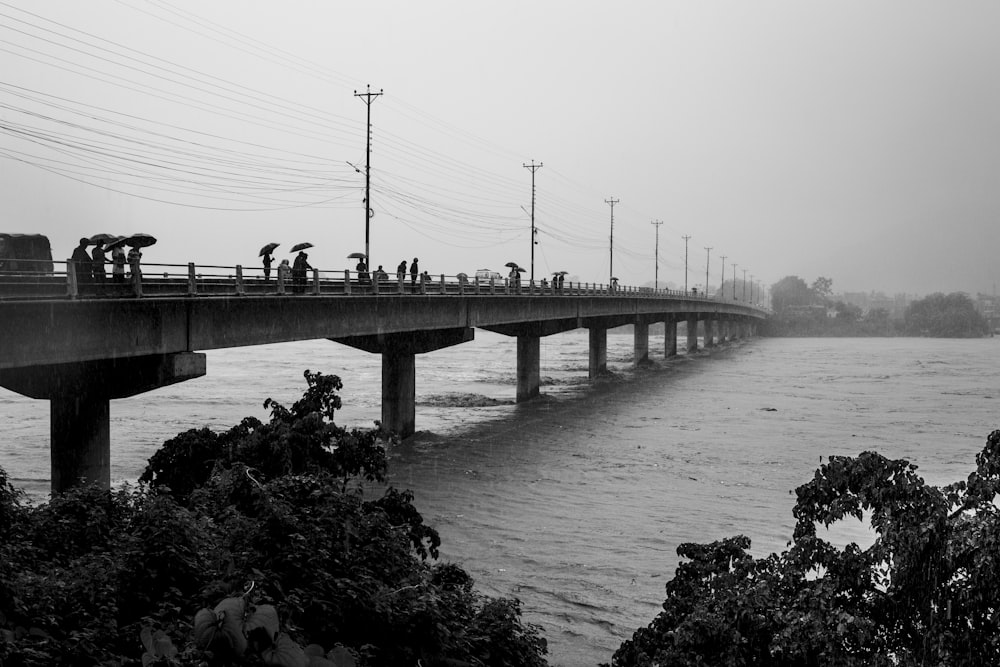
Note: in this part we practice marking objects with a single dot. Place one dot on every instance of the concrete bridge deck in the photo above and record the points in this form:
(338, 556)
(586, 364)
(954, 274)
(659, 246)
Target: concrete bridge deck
(80, 349)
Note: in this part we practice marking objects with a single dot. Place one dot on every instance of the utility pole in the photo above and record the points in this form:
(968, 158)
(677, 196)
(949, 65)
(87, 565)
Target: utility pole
(611, 247)
(685, 263)
(368, 97)
(533, 167)
(656, 271)
(734, 281)
(744, 284)
(722, 285)
(708, 255)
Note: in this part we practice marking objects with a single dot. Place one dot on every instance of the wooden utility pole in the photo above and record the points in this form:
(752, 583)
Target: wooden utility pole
(611, 245)
(686, 237)
(368, 97)
(708, 255)
(533, 167)
(656, 272)
(722, 285)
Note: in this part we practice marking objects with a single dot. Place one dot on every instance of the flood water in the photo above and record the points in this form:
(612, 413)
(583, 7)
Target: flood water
(576, 502)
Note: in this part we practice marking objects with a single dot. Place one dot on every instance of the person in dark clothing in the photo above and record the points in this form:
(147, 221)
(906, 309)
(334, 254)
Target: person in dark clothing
(414, 272)
(363, 277)
(380, 275)
(100, 272)
(267, 259)
(81, 266)
(401, 271)
(299, 268)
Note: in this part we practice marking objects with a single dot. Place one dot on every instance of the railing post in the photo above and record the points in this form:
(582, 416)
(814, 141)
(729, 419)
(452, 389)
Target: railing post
(72, 288)
(240, 288)
(192, 280)
(402, 283)
(316, 282)
(347, 281)
(137, 283)
(375, 282)
(423, 283)
(281, 281)
(493, 285)
(443, 289)
(461, 286)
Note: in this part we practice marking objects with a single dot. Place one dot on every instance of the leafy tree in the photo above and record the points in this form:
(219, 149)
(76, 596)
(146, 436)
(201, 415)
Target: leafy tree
(847, 312)
(259, 545)
(791, 291)
(945, 316)
(823, 287)
(922, 594)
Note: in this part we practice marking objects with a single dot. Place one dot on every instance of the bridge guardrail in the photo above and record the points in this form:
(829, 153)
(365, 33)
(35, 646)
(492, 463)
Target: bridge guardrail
(159, 280)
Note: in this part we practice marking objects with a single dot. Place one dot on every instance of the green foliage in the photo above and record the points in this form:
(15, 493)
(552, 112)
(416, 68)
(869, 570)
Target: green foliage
(923, 593)
(247, 546)
(945, 316)
(792, 291)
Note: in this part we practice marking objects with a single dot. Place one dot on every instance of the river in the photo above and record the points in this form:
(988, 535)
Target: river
(575, 503)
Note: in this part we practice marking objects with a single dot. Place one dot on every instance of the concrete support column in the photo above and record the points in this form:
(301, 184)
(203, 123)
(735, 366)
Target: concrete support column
(80, 450)
(399, 390)
(80, 394)
(723, 331)
(598, 351)
(641, 343)
(528, 367)
(709, 332)
(692, 327)
(670, 338)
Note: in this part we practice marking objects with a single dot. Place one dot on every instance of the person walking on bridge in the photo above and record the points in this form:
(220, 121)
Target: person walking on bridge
(81, 266)
(401, 272)
(99, 271)
(118, 265)
(266, 259)
(299, 268)
(414, 272)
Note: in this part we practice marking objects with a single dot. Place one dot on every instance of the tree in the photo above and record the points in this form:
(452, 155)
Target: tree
(791, 291)
(256, 546)
(922, 594)
(945, 316)
(823, 287)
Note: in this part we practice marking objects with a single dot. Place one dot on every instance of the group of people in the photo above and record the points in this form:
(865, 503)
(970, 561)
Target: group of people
(90, 268)
(295, 273)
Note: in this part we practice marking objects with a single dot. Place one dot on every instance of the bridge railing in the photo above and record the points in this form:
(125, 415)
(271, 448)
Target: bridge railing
(63, 279)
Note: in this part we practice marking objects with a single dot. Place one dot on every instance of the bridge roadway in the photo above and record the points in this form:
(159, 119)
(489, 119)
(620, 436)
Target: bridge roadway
(80, 353)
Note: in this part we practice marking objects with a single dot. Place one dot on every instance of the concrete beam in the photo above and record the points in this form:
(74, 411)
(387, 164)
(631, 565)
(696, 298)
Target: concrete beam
(410, 342)
(80, 395)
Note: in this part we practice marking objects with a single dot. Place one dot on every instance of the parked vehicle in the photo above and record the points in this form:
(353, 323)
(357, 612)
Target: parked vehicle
(484, 276)
(25, 253)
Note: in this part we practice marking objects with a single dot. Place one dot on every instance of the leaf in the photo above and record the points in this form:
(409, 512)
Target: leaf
(164, 647)
(206, 623)
(314, 650)
(284, 653)
(230, 613)
(262, 626)
(341, 657)
(146, 635)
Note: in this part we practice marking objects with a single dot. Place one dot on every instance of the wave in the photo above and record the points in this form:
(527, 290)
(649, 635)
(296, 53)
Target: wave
(461, 400)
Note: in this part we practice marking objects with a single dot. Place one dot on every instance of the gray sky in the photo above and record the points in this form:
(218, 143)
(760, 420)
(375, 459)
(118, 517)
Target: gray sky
(854, 140)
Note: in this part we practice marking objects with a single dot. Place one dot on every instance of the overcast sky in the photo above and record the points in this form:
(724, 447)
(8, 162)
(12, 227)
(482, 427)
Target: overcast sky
(854, 140)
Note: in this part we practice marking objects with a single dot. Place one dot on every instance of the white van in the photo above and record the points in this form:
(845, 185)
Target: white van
(484, 275)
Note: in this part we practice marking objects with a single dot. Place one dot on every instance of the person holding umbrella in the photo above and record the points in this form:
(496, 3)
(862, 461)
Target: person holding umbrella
(299, 269)
(100, 273)
(265, 254)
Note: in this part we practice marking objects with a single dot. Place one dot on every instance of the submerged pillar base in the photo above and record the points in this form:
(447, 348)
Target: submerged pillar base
(528, 367)
(692, 334)
(598, 356)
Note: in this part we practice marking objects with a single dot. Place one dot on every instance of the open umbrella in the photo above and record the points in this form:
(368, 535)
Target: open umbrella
(300, 246)
(117, 242)
(357, 255)
(103, 238)
(268, 249)
(520, 269)
(140, 240)
(512, 265)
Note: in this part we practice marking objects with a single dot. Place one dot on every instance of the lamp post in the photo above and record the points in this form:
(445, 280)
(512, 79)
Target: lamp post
(734, 281)
(744, 284)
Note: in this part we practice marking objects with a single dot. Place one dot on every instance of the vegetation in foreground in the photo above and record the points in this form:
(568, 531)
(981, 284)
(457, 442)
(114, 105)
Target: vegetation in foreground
(924, 593)
(256, 546)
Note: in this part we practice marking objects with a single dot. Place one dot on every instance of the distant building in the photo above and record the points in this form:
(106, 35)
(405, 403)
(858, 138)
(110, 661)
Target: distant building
(988, 305)
(869, 301)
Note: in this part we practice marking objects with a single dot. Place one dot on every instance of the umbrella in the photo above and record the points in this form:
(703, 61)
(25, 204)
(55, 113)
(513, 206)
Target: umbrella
(559, 273)
(103, 238)
(512, 265)
(519, 269)
(300, 246)
(268, 249)
(357, 255)
(117, 242)
(140, 240)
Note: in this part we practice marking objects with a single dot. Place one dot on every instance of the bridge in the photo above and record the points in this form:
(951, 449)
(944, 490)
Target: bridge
(82, 345)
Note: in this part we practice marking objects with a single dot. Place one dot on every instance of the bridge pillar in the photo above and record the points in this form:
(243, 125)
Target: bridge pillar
(528, 367)
(641, 342)
(598, 351)
(80, 395)
(399, 369)
(692, 337)
(723, 330)
(670, 337)
(709, 332)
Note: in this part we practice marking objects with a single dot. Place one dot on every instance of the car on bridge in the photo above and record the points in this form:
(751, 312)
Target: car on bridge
(485, 275)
